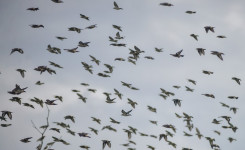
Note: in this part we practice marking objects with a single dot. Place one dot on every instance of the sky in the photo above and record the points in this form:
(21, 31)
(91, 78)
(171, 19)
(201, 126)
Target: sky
(144, 24)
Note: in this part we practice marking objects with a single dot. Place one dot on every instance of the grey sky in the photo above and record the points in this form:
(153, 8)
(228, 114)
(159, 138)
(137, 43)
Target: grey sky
(147, 25)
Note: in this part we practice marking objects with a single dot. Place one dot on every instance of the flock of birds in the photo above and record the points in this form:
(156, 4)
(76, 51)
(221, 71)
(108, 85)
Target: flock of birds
(134, 55)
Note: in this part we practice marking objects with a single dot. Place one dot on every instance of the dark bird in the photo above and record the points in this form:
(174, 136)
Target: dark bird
(158, 49)
(78, 30)
(36, 26)
(192, 81)
(164, 136)
(8, 113)
(50, 102)
(117, 27)
(83, 44)
(114, 121)
(215, 121)
(152, 109)
(54, 50)
(17, 50)
(189, 89)
(221, 36)
(84, 17)
(72, 50)
(170, 126)
(218, 54)
(85, 147)
(106, 142)
(194, 36)
(72, 118)
(83, 134)
(132, 103)
(26, 140)
(150, 147)
(118, 93)
(112, 39)
(207, 72)
(57, 1)
(198, 133)
(190, 12)
(233, 97)
(55, 65)
(95, 60)
(149, 57)
(16, 99)
(84, 99)
(22, 72)
(178, 54)
(124, 113)
(91, 26)
(224, 105)
(166, 4)
(177, 102)
(96, 120)
(61, 38)
(118, 44)
(234, 109)
(5, 125)
(209, 95)
(201, 51)
(17, 90)
(28, 105)
(238, 81)
(209, 28)
(231, 139)
(37, 101)
(116, 7)
(93, 130)
(33, 9)
(55, 129)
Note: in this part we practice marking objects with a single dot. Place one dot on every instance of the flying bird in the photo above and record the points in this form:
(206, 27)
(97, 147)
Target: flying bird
(116, 7)
(218, 54)
(178, 54)
(17, 50)
(209, 28)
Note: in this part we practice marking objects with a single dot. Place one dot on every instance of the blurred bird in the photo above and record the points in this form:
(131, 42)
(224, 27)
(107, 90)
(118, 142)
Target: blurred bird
(26, 140)
(194, 36)
(57, 1)
(116, 7)
(209, 28)
(8, 113)
(166, 4)
(33, 9)
(190, 12)
(83, 134)
(17, 90)
(16, 99)
(72, 50)
(237, 80)
(78, 30)
(84, 17)
(201, 51)
(114, 121)
(36, 26)
(218, 54)
(61, 38)
(221, 36)
(17, 50)
(207, 72)
(124, 113)
(178, 54)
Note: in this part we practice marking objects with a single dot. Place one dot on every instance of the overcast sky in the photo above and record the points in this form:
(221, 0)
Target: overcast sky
(147, 25)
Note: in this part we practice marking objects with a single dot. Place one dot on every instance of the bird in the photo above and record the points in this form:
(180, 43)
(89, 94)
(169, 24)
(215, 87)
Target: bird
(117, 27)
(116, 7)
(55, 65)
(36, 26)
(16, 99)
(194, 36)
(170, 126)
(94, 130)
(85, 147)
(152, 109)
(209, 28)
(17, 90)
(234, 109)
(132, 103)
(124, 113)
(82, 97)
(83, 44)
(22, 72)
(8, 113)
(57, 1)
(201, 51)
(17, 50)
(28, 105)
(118, 36)
(189, 89)
(192, 81)
(238, 81)
(72, 50)
(190, 12)
(96, 120)
(84, 17)
(112, 39)
(78, 30)
(221, 36)
(158, 49)
(231, 139)
(164, 136)
(83, 134)
(61, 38)
(91, 26)
(106, 142)
(50, 102)
(218, 54)
(95, 60)
(198, 133)
(178, 54)
(177, 102)
(114, 121)
(166, 4)
(72, 118)
(55, 129)
(224, 105)
(207, 72)
(209, 95)
(37, 101)
(215, 121)
(233, 97)
(33, 9)
(26, 140)
(118, 94)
